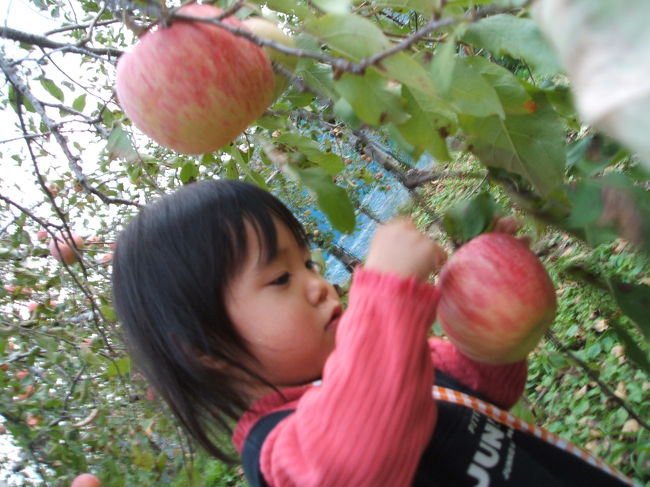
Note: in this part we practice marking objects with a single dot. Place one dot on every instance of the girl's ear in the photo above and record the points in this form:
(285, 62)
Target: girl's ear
(205, 360)
(213, 363)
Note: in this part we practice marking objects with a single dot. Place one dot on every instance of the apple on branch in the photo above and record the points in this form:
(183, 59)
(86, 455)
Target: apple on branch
(86, 480)
(496, 299)
(193, 87)
(62, 250)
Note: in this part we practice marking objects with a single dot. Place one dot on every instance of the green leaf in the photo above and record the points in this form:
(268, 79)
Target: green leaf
(466, 90)
(12, 99)
(632, 349)
(515, 36)
(423, 130)
(591, 154)
(530, 145)
(587, 204)
(79, 103)
(249, 175)
(344, 112)
(315, 74)
(512, 94)
(558, 360)
(523, 411)
(272, 122)
(289, 7)
(120, 366)
(634, 301)
(423, 7)
(371, 97)
(332, 199)
(52, 88)
(349, 35)
(468, 219)
(189, 172)
(119, 145)
(333, 6)
(411, 73)
(441, 64)
(330, 162)
(108, 312)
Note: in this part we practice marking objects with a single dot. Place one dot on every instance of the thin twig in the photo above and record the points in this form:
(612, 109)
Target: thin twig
(594, 376)
(73, 161)
(80, 27)
(42, 41)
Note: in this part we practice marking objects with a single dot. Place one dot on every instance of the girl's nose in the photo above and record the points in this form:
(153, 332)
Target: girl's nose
(317, 289)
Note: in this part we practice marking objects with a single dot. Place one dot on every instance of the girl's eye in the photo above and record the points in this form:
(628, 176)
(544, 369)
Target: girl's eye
(282, 280)
(313, 265)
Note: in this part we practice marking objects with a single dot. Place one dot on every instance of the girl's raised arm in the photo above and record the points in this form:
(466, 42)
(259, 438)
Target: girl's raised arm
(373, 415)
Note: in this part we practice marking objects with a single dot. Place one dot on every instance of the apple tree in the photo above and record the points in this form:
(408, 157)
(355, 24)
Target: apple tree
(549, 100)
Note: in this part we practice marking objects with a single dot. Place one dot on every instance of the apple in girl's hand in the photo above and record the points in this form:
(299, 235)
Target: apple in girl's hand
(86, 480)
(266, 29)
(63, 252)
(193, 87)
(496, 299)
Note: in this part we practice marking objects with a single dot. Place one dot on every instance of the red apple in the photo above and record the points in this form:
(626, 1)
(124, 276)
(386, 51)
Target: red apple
(194, 87)
(496, 299)
(21, 374)
(41, 235)
(33, 420)
(151, 394)
(63, 252)
(86, 480)
(29, 390)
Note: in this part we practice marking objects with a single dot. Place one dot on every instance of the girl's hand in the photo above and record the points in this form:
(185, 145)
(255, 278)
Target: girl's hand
(399, 248)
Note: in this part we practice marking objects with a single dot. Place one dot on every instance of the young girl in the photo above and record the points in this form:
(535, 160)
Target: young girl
(230, 320)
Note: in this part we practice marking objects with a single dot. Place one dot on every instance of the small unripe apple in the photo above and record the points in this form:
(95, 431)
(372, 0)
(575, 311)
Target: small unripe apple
(150, 394)
(266, 29)
(86, 480)
(194, 87)
(29, 390)
(496, 299)
(33, 420)
(21, 374)
(61, 248)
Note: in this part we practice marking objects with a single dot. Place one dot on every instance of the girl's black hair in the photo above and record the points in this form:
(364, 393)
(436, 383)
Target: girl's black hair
(171, 270)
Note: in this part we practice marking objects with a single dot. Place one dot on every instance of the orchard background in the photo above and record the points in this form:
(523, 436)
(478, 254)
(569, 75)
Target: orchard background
(541, 110)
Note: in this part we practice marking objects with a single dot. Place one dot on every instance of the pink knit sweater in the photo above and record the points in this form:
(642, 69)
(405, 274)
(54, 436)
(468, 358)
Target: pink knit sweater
(369, 420)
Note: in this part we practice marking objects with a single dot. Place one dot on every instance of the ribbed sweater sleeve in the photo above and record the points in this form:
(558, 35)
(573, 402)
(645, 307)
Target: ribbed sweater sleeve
(501, 384)
(371, 418)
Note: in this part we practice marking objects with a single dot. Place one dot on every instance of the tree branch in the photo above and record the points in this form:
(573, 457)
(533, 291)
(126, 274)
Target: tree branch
(594, 376)
(44, 42)
(73, 161)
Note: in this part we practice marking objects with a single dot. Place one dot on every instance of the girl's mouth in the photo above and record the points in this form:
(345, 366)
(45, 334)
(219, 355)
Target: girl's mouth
(336, 314)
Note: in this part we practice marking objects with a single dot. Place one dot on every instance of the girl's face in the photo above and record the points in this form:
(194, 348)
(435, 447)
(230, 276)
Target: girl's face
(285, 310)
